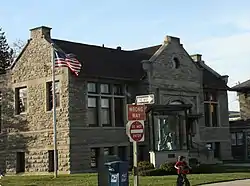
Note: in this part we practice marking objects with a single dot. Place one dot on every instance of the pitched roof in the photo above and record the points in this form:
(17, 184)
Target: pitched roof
(211, 80)
(242, 86)
(149, 50)
(106, 62)
(239, 124)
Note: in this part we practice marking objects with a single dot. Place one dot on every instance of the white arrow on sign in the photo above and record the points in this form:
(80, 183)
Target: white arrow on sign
(145, 99)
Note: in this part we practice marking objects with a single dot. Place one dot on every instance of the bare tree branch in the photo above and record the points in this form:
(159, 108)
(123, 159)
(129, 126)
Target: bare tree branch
(17, 47)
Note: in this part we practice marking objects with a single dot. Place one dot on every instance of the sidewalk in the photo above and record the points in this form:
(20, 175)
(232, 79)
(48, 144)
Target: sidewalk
(233, 183)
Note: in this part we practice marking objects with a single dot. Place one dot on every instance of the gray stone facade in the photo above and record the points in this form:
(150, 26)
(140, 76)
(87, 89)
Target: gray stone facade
(75, 137)
(185, 84)
(244, 100)
(239, 127)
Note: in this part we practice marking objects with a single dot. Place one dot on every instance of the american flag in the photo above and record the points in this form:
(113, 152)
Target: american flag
(67, 60)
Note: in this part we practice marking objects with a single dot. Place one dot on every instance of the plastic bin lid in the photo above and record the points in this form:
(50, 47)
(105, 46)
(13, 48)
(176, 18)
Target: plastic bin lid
(111, 158)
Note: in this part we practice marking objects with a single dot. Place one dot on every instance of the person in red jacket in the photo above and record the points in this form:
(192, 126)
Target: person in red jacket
(182, 171)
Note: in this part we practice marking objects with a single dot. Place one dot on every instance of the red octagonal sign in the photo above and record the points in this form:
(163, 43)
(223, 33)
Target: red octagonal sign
(136, 131)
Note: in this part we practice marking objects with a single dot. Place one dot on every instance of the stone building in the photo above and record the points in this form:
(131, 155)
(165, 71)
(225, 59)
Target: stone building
(240, 129)
(91, 108)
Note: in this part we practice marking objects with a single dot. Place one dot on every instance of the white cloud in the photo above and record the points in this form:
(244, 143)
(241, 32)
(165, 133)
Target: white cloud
(227, 55)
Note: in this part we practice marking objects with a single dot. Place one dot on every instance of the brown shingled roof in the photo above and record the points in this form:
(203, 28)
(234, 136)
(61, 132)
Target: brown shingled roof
(106, 62)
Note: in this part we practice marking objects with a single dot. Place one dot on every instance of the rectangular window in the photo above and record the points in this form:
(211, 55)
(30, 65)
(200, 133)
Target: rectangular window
(239, 137)
(51, 167)
(100, 114)
(21, 100)
(49, 88)
(207, 115)
(213, 110)
(92, 88)
(95, 153)
(108, 151)
(117, 90)
(217, 150)
(210, 96)
(105, 112)
(122, 153)
(105, 89)
(142, 153)
(119, 109)
(92, 111)
(20, 162)
(233, 139)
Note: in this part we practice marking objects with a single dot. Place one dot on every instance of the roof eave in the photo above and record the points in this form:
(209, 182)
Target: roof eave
(240, 89)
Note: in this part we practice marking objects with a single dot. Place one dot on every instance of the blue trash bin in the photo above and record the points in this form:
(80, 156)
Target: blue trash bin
(118, 173)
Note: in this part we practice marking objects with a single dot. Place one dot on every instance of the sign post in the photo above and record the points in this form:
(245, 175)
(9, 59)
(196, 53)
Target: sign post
(135, 128)
(135, 131)
(136, 178)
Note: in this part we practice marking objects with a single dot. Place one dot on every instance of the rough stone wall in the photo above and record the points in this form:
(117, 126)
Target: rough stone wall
(222, 133)
(82, 136)
(244, 100)
(181, 84)
(185, 84)
(32, 132)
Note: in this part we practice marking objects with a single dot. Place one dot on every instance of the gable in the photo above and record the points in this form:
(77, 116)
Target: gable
(33, 62)
(172, 63)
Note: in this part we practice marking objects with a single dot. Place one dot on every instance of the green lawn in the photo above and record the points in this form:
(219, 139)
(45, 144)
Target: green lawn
(91, 180)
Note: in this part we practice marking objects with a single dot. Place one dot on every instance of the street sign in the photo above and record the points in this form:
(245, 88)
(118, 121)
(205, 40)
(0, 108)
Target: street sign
(136, 112)
(145, 99)
(136, 131)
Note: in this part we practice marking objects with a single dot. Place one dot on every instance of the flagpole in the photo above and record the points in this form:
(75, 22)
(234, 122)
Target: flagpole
(54, 111)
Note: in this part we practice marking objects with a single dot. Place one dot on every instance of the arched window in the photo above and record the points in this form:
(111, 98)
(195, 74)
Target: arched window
(176, 102)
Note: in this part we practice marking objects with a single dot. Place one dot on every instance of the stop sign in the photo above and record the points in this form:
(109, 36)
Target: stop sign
(136, 131)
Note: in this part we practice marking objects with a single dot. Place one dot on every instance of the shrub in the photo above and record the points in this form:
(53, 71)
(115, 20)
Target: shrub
(168, 167)
(153, 172)
(145, 165)
(206, 169)
(193, 162)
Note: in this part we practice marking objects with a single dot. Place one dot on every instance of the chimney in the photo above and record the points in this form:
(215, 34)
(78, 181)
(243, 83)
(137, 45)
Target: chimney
(225, 78)
(40, 32)
(119, 48)
(197, 57)
(171, 39)
(103, 45)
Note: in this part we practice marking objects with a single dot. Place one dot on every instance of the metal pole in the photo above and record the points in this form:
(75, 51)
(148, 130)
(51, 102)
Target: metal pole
(136, 178)
(54, 111)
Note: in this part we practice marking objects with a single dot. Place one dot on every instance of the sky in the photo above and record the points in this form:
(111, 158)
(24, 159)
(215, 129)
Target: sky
(218, 30)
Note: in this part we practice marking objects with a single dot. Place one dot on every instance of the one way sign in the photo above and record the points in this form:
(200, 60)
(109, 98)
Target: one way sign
(145, 99)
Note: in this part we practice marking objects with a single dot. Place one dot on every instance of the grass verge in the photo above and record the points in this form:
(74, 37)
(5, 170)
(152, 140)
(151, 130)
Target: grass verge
(91, 180)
